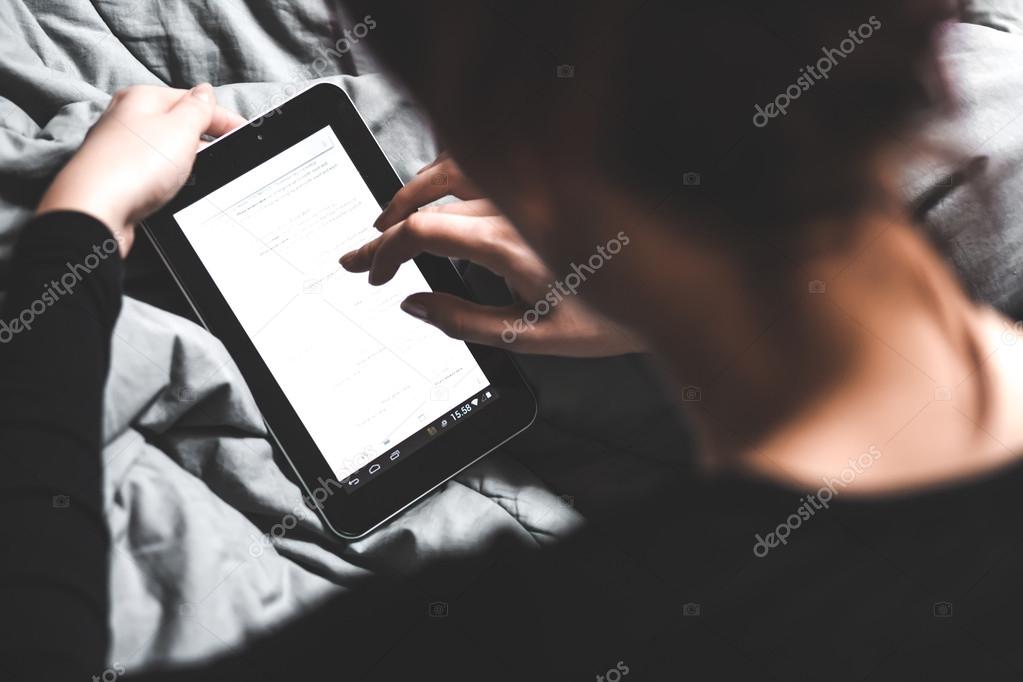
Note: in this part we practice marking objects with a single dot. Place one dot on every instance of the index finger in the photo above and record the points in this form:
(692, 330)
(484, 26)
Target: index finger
(431, 184)
(480, 240)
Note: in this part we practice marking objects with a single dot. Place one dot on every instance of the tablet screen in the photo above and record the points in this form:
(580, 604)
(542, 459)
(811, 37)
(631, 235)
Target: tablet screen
(370, 383)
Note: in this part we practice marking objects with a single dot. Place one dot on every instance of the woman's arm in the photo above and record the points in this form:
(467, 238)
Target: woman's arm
(55, 330)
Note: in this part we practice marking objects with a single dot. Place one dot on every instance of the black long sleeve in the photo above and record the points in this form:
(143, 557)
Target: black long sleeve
(64, 297)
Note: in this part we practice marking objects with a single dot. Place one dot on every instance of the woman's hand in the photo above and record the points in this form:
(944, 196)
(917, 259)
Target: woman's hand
(548, 318)
(137, 156)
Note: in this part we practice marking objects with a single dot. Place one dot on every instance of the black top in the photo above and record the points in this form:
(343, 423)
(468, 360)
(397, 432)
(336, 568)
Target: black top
(54, 352)
(690, 585)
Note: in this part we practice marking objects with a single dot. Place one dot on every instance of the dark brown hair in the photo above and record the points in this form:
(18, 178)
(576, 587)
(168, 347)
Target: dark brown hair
(646, 93)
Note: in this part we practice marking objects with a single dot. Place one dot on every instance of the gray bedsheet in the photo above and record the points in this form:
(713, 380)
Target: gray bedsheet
(195, 500)
(978, 220)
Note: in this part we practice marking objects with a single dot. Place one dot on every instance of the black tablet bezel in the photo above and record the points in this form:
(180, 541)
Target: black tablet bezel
(349, 515)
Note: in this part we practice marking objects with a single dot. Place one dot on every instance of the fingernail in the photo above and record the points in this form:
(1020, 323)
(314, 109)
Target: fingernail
(203, 91)
(376, 223)
(414, 309)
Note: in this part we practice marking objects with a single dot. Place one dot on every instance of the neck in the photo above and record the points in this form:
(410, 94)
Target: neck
(875, 349)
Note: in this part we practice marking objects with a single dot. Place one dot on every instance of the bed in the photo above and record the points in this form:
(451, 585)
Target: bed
(195, 495)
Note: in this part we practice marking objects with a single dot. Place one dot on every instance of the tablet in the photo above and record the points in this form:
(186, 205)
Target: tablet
(372, 408)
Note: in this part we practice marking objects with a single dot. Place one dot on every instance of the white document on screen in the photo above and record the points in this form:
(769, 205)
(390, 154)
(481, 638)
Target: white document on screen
(361, 374)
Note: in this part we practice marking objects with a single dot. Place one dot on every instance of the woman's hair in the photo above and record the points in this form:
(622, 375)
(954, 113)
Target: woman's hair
(745, 114)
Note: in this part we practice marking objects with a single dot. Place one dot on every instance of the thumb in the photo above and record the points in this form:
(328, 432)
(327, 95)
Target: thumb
(465, 320)
(195, 108)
